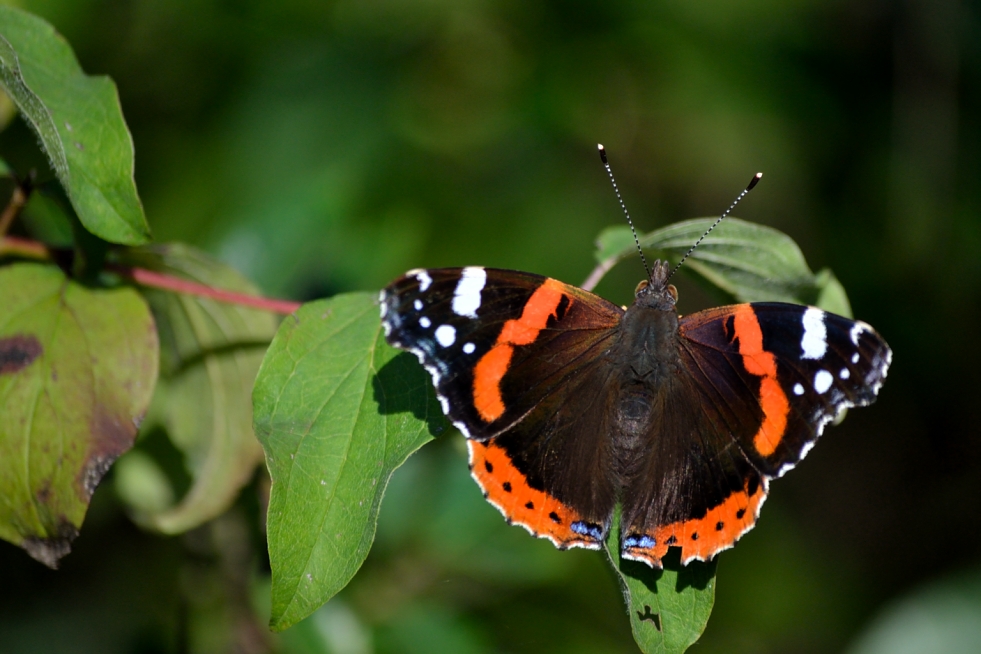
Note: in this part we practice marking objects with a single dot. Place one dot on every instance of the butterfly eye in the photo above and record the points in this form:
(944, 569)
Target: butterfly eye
(673, 292)
(641, 286)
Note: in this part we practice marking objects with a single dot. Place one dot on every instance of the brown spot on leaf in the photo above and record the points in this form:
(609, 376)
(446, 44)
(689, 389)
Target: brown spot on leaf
(111, 436)
(50, 550)
(17, 352)
(43, 494)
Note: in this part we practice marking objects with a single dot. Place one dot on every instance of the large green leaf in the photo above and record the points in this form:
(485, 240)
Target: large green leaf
(749, 262)
(337, 411)
(210, 354)
(77, 370)
(668, 608)
(79, 123)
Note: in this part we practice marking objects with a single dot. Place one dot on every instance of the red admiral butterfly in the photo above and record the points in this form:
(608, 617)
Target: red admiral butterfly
(571, 404)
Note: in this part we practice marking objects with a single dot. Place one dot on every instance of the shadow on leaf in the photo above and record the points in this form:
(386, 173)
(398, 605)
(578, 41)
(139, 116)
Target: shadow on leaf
(402, 385)
(696, 574)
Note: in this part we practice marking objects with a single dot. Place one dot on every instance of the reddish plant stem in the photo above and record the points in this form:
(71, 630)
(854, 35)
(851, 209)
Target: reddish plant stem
(22, 247)
(164, 282)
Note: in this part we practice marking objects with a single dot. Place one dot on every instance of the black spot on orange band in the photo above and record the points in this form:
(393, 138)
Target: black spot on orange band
(702, 538)
(507, 489)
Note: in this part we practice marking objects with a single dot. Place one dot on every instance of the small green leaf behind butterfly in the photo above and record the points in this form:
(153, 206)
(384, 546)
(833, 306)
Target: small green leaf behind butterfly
(746, 261)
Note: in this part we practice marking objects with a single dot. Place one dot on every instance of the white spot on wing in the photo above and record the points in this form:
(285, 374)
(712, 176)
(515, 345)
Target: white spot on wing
(466, 296)
(815, 340)
(424, 321)
(798, 389)
(844, 374)
(468, 348)
(822, 381)
(417, 305)
(855, 358)
(857, 330)
(424, 279)
(445, 335)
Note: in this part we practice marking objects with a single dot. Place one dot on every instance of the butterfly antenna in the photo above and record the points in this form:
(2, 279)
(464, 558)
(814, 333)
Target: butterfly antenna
(609, 171)
(752, 183)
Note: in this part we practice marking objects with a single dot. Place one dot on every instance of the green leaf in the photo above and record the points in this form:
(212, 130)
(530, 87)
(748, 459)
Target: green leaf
(45, 219)
(831, 294)
(210, 354)
(337, 411)
(749, 262)
(141, 482)
(79, 123)
(668, 608)
(77, 370)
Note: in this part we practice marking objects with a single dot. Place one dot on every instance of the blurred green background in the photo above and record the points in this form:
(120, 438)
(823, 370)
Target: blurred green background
(322, 147)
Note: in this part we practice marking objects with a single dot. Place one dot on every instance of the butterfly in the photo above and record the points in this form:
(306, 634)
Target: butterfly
(571, 404)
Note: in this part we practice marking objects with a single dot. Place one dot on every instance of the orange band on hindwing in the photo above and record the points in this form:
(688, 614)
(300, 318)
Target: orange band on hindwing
(761, 363)
(703, 538)
(543, 516)
(492, 367)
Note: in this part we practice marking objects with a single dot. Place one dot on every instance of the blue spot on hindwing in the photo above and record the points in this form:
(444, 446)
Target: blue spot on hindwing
(643, 541)
(587, 529)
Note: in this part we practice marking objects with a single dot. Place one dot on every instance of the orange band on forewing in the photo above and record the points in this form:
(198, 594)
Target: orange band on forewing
(491, 368)
(761, 363)
(487, 381)
(507, 489)
(540, 306)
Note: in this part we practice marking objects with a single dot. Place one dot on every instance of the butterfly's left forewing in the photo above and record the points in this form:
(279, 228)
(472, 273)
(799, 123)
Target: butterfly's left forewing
(758, 383)
(805, 365)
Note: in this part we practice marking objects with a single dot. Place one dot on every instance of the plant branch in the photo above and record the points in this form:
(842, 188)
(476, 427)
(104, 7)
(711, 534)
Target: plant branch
(164, 282)
(598, 272)
(22, 247)
(17, 201)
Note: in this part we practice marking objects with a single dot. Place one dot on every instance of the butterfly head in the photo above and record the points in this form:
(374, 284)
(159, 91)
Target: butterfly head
(656, 292)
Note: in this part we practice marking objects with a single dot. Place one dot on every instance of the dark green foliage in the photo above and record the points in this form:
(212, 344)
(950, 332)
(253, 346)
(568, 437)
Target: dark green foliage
(323, 148)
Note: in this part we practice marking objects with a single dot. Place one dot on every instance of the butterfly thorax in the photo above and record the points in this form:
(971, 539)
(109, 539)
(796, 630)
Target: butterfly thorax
(647, 363)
